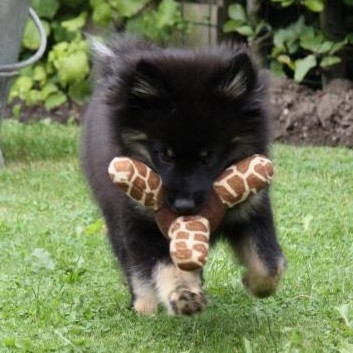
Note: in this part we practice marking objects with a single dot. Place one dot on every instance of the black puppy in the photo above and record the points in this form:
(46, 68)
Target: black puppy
(188, 115)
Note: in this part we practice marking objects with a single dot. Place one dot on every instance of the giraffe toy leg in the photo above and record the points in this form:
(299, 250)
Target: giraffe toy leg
(189, 237)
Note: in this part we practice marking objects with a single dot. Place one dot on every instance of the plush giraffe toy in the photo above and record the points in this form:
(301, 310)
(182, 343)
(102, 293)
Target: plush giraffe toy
(189, 235)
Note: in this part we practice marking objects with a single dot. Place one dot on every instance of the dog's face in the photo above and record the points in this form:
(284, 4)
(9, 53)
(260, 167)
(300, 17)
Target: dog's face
(188, 116)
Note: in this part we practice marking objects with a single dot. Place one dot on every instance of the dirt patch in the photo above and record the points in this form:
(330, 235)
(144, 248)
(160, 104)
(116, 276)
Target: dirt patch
(306, 117)
(301, 116)
(68, 112)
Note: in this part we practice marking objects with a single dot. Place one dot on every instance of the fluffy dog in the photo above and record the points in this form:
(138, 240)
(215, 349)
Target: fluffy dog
(188, 115)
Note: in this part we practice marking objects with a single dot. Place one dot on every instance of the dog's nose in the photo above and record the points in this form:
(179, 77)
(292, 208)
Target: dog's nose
(184, 206)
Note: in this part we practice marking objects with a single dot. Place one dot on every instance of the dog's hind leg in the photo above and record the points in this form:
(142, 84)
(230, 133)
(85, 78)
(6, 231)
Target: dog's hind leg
(255, 244)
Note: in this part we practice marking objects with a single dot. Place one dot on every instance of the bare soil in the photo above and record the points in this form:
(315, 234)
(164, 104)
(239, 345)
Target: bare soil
(302, 116)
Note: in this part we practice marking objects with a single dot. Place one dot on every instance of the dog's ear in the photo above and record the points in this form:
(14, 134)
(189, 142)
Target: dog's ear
(239, 76)
(103, 56)
(147, 82)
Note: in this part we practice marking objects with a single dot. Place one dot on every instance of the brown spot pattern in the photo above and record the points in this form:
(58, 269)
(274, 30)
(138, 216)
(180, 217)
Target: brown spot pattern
(251, 174)
(140, 183)
(195, 226)
(189, 242)
(137, 180)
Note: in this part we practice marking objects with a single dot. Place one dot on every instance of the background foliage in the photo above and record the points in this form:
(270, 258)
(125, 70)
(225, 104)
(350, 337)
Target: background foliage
(291, 34)
(302, 38)
(63, 72)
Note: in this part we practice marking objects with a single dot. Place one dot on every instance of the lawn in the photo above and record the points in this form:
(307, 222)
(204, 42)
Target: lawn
(61, 291)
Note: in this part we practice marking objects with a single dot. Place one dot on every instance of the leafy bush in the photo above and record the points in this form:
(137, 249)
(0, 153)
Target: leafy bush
(309, 45)
(298, 49)
(63, 72)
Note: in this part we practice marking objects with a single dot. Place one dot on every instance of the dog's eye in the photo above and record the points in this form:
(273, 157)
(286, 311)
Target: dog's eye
(207, 157)
(167, 155)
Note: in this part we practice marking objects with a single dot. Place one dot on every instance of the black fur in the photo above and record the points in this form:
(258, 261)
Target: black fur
(188, 115)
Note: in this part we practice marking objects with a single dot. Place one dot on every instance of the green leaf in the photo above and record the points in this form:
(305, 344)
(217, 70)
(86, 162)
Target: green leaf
(59, 50)
(55, 100)
(237, 12)
(166, 13)
(61, 34)
(32, 97)
(245, 31)
(102, 14)
(46, 8)
(325, 47)
(311, 40)
(48, 89)
(338, 46)
(262, 26)
(73, 67)
(330, 60)
(344, 310)
(277, 68)
(95, 227)
(95, 3)
(348, 2)
(20, 87)
(79, 92)
(76, 23)
(303, 66)
(231, 26)
(292, 46)
(31, 39)
(16, 111)
(39, 73)
(128, 8)
(285, 59)
(314, 5)
(285, 3)
(287, 39)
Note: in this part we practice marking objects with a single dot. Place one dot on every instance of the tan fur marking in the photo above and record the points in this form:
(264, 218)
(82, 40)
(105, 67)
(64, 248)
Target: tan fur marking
(146, 301)
(172, 284)
(258, 279)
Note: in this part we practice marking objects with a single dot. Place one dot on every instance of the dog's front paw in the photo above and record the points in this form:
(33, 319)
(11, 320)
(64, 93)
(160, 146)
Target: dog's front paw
(185, 301)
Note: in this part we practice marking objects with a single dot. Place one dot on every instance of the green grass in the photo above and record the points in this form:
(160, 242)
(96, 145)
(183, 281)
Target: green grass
(60, 290)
